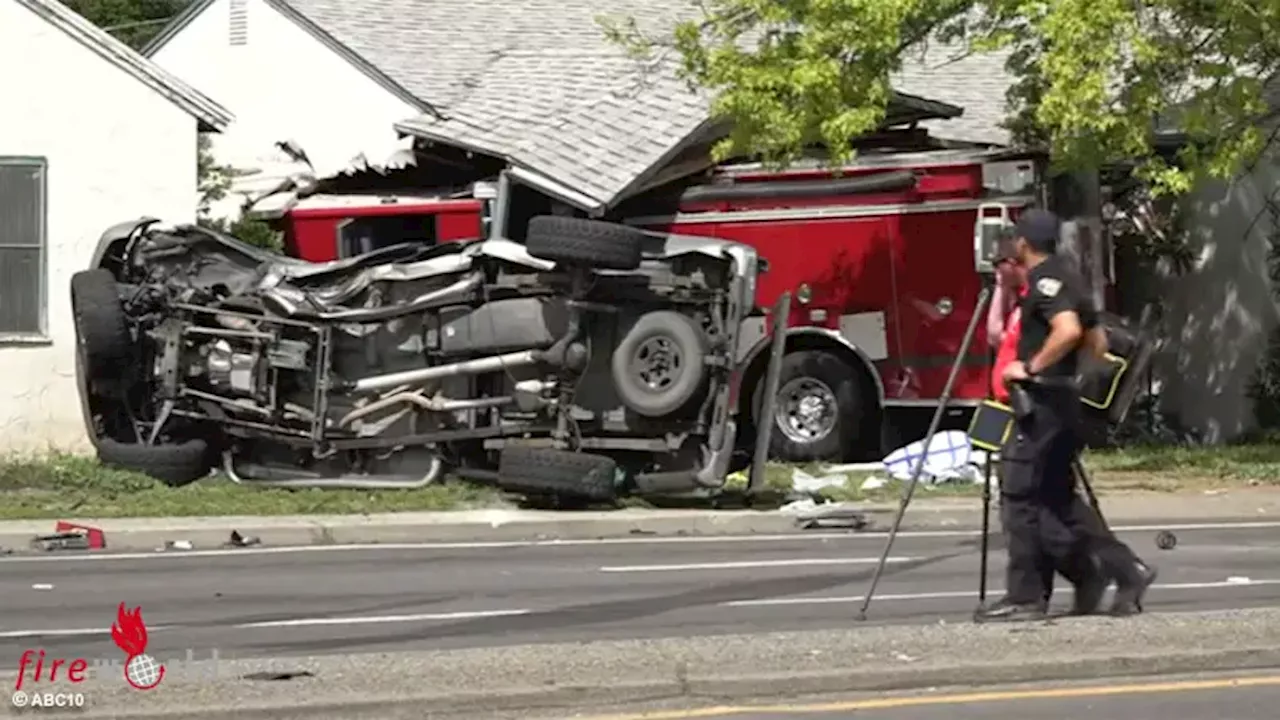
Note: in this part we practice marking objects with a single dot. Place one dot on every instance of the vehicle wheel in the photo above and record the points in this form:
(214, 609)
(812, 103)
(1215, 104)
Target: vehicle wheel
(174, 465)
(100, 323)
(658, 368)
(819, 408)
(575, 241)
(544, 471)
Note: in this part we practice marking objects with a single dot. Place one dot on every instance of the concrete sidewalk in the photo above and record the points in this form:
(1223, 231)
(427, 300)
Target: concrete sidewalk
(733, 668)
(507, 525)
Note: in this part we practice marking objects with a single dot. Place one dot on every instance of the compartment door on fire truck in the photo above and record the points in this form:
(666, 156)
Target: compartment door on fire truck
(935, 288)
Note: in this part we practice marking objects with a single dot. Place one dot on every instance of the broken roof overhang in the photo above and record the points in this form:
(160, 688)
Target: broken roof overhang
(903, 109)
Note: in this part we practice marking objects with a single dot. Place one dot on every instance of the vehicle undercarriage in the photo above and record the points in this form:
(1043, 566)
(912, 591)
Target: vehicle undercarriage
(593, 360)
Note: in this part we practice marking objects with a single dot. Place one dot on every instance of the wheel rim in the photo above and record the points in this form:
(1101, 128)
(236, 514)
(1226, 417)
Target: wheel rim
(657, 364)
(806, 410)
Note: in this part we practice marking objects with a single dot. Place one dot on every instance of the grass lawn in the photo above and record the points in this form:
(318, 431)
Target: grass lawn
(63, 486)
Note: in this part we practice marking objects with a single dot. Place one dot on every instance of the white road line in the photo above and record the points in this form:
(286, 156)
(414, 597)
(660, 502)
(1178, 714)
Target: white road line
(482, 614)
(293, 623)
(378, 619)
(749, 564)
(798, 537)
(946, 595)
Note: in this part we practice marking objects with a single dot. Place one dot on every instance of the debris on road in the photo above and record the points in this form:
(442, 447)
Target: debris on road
(42, 586)
(1166, 540)
(238, 540)
(71, 536)
(178, 545)
(812, 515)
(803, 482)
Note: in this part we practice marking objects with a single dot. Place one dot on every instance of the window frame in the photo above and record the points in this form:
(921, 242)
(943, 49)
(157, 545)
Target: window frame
(41, 335)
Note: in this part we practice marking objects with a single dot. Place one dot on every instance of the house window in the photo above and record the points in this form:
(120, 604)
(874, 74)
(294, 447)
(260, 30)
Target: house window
(22, 248)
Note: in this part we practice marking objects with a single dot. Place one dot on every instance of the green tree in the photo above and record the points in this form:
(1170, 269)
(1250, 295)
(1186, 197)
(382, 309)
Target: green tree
(1092, 78)
(134, 22)
(213, 181)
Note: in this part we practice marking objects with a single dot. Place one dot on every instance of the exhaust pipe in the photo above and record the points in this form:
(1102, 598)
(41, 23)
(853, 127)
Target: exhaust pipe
(466, 367)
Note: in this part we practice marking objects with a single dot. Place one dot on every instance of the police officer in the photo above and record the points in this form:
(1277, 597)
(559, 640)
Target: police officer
(1038, 492)
(1118, 561)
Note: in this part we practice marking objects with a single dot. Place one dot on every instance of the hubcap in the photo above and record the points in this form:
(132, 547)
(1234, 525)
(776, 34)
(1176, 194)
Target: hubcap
(657, 364)
(806, 411)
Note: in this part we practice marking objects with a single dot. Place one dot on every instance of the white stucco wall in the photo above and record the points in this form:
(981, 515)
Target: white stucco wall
(1221, 312)
(115, 150)
(281, 84)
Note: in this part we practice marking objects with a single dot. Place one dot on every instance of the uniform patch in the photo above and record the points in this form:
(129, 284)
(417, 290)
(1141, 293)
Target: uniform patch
(1049, 287)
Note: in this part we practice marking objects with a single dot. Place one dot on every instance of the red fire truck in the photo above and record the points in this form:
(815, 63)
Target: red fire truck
(879, 257)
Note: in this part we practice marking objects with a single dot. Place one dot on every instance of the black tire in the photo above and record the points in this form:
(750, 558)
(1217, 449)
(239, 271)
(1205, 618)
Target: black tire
(559, 473)
(589, 243)
(100, 324)
(174, 465)
(827, 374)
(668, 387)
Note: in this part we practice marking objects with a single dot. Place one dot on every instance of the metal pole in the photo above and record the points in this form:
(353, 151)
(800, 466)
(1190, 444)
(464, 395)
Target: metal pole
(978, 310)
(986, 531)
(764, 421)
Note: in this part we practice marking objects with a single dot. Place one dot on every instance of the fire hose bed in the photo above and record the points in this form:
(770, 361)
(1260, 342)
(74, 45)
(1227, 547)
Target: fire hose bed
(690, 671)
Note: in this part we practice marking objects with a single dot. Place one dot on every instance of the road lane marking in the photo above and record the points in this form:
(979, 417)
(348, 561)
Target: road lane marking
(947, 595)
(973, 698)
(380, 619)
(291, 623)
(750, 564)
(594, 542)
(480, 614)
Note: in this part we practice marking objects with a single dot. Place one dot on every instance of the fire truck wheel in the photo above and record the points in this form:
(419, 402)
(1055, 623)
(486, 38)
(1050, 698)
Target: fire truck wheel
(588, 243)
(658, 367)
(818, 411)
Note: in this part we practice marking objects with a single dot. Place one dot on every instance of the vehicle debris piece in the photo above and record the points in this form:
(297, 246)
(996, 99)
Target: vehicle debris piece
(278, 676)
(238, 540)
(60, 541)
(812, 515)
(71, 536)
(42, 586)
(178, 545)
(802, 481)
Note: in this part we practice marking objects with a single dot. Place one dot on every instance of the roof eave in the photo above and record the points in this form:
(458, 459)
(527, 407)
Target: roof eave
(174, 26)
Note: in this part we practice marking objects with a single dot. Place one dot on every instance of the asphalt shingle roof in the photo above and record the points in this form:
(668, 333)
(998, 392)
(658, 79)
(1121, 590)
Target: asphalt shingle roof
(978, 83)
(536, 82)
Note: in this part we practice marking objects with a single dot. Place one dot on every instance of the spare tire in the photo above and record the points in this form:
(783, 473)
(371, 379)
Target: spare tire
(174, 464)
(658, 367)
(100, 324)
(575, 241)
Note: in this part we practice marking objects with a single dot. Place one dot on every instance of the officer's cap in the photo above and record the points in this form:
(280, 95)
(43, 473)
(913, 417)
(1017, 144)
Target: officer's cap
(1040, 229)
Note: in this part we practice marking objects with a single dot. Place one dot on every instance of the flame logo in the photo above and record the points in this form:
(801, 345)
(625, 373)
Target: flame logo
(129, 633)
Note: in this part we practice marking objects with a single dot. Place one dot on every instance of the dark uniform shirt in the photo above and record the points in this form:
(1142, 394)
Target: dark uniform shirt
(1053, 287)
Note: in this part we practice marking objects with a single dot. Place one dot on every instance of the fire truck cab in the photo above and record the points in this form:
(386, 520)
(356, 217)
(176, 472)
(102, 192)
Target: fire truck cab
(884, 259)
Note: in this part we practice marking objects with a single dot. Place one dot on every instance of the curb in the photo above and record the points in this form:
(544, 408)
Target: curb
(499, 526)
(697, 691)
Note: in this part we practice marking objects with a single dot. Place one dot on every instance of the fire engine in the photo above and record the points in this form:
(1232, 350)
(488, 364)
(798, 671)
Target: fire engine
(882, 258)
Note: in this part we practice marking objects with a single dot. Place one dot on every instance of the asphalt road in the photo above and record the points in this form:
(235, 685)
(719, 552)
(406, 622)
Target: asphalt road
(1241, 698)
(273, 602)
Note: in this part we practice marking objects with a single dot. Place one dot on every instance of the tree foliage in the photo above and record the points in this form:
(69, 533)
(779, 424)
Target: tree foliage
(134, 22)
(1090, 79)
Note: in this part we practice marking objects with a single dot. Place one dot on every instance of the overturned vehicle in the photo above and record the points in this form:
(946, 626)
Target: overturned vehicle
(593, 360)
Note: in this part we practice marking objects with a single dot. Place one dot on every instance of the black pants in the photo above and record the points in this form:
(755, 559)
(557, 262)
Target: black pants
(1038, 498)
(1118, 561)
